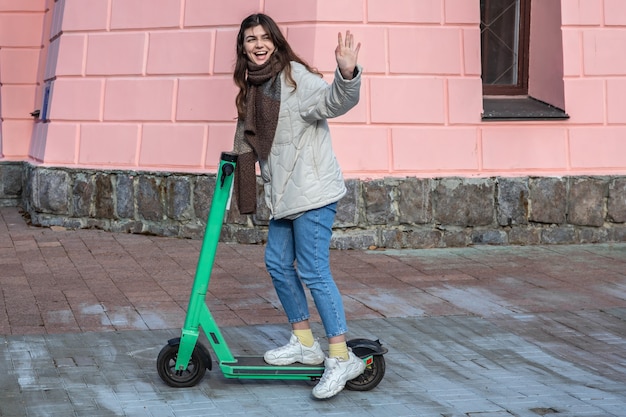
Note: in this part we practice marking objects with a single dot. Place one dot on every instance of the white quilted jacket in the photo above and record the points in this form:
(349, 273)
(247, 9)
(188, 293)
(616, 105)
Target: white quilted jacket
(302, 172)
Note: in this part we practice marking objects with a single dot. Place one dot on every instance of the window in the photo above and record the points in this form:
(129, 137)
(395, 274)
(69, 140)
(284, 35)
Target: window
(504, 29)
(512, 88)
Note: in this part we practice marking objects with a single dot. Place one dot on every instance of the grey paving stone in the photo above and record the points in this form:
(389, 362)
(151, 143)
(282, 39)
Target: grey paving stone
(433, 376)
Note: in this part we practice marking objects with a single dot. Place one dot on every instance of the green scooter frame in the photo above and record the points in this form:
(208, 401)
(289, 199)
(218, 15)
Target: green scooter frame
(183, 361)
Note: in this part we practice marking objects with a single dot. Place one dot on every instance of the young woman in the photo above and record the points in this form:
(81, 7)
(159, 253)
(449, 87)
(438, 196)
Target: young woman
(282, 108)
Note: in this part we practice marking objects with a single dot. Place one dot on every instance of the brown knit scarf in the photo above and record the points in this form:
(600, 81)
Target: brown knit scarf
(259, 127)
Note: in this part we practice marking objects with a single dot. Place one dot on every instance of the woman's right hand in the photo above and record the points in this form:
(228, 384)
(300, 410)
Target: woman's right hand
(347, 54)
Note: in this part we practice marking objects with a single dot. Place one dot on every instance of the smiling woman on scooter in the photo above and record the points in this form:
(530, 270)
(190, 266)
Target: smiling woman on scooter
(282, 107)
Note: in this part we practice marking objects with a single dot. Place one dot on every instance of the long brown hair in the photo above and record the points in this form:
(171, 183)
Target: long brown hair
(283, 53)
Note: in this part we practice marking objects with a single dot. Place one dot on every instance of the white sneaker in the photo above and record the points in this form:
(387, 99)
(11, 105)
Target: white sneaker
(294, 352)
(336, 374)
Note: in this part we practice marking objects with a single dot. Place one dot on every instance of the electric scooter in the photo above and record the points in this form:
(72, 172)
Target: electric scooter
(183, 361)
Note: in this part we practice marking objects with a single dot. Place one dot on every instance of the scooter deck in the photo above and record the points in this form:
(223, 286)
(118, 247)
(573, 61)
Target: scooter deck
(255, 367)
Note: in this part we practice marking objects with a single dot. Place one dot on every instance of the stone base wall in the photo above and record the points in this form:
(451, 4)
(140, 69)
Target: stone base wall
(11, 183)
(391, 212)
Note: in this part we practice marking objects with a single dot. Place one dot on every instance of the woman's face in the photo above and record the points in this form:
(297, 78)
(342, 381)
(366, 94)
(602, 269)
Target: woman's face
(257, 45)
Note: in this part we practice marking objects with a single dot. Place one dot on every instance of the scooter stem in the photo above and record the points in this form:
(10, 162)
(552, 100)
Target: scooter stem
(197, 308)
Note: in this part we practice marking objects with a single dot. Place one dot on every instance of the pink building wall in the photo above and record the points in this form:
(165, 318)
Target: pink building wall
(146, 85)
(21, 29)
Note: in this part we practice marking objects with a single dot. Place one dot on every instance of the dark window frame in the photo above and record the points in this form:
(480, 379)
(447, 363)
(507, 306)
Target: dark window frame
(523, 52)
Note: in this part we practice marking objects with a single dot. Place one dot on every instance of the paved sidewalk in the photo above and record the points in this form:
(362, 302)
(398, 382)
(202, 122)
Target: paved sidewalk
(474, 332)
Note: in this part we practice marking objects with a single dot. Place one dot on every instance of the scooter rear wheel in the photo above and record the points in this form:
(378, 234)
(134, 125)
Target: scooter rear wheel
(166, 367)
(371, 377)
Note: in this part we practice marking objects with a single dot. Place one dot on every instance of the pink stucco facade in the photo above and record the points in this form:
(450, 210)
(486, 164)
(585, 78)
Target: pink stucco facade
(146, 85)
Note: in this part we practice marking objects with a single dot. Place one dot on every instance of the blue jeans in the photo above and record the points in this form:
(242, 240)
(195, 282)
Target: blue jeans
(298, 252)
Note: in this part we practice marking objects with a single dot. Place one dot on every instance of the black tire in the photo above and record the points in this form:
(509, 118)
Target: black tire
(166, 366)
(371, 377)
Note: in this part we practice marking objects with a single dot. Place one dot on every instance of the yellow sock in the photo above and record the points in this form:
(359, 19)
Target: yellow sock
(305, 337)
(338, 350)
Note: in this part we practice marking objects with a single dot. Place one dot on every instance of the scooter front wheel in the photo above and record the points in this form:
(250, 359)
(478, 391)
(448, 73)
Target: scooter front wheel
(371, 377)
(166, 367)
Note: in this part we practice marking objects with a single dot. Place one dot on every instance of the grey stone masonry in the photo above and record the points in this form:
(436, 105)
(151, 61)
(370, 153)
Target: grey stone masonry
(390, 212)
(11, 181)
